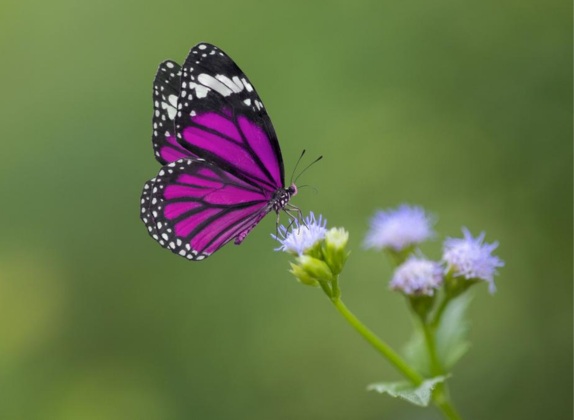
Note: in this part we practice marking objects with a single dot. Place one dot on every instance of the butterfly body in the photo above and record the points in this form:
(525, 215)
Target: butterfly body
(223, 169)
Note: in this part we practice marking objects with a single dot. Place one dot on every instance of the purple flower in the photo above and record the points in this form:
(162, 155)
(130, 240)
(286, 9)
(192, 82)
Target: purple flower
(399, 228)
(301, 236)
(417, 276)
(472, 259)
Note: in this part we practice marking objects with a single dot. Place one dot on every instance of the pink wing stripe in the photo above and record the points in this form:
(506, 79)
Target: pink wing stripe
(188, 224)
(199, 182)
(218, 123)
(230, 195)
(260, 144)
(207, 173)
(227, 150)
(180, 191)
(219, 195)
(243, 226)
(215, 184)
(175, 210)
(223, 225)
(173, 151)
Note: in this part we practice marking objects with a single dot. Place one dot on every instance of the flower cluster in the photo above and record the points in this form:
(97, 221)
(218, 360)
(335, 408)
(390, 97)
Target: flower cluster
(471, 258)
(430, 286)
(399, 229)
(418, 276)
(404, 228)
(320, 253)
(301, 236)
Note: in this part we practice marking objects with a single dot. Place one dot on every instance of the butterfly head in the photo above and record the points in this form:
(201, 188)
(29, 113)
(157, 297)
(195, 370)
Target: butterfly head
(292, 190)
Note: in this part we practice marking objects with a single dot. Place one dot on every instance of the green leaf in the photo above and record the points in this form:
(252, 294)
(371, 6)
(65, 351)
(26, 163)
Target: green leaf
(415, 351)
(450, 337)
(452, 332)
(417, 395)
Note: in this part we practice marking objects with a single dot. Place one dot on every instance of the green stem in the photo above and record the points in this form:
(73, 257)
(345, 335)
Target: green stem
(325, 286)
(440, 395)
(438, 314)
(377, 343)
(435, 365)
(441, 399)
(335, 288)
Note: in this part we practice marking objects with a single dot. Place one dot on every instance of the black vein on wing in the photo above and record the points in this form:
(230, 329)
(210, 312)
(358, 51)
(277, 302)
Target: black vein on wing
(200, 227)
(244, 144)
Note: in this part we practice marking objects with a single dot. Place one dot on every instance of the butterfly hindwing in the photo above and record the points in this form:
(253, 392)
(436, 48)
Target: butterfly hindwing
(166, 92)
(194, 208)
(221, 118)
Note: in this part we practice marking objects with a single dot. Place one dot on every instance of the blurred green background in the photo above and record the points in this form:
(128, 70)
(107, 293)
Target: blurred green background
(464, 108)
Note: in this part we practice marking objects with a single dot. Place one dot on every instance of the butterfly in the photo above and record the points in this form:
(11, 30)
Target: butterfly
(222, 165)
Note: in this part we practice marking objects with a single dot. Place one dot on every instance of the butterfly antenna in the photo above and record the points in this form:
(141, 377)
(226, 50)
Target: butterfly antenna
(315, 190)
(295, 168)
(308, 166)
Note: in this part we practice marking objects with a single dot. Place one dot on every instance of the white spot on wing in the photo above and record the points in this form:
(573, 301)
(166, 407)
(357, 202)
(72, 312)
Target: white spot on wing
(171, 106)
(172, 99)
(235, 85)
(247, 85)
(212, 83)
(200, 90)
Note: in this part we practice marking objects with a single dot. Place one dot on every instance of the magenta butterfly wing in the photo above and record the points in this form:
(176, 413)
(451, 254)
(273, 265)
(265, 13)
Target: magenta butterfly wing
(223, 170)
(222, 119)
(166, 89)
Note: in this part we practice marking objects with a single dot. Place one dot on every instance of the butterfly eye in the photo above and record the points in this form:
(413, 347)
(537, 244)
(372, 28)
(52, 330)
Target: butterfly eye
(292, 190)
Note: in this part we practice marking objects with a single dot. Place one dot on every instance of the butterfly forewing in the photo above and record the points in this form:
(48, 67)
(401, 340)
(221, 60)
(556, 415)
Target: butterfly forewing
(222, 119)
(166, 91)
(194, 208)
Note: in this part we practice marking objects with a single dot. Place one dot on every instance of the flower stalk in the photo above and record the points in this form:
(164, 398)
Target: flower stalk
(320, 257)
(383, 348)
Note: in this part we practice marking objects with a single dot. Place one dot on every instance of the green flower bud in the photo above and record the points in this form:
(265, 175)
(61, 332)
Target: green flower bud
(456, 285)
(314, 269)
(334, 249)
(422, 305)
(316, 250)
(301, 275)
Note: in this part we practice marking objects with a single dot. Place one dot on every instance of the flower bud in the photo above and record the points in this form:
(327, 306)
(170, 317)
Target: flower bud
(301, 275)
(422, 305)
(334, 250)
(311, 269)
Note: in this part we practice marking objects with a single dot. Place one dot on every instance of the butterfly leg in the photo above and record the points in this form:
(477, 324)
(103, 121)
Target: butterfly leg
(294, 218)
(277, 226)
(299, 217)
(291, 222)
